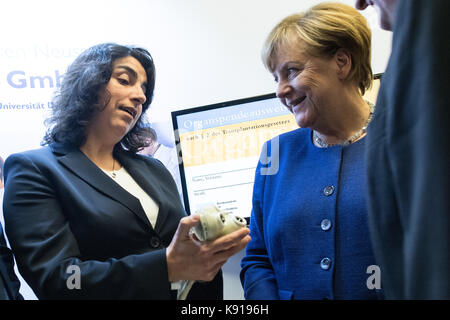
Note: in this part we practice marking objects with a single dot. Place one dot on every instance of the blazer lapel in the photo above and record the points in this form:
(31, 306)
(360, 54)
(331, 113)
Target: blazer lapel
(74, 160)
(139, 170)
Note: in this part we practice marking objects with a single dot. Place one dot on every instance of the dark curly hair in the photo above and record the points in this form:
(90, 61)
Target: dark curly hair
(77, 100)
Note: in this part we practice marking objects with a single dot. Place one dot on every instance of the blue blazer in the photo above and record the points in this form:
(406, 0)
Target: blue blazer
(309, 229)
(61, 210)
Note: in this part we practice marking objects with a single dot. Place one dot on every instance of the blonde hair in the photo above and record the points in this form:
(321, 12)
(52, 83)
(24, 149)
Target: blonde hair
(325, 28)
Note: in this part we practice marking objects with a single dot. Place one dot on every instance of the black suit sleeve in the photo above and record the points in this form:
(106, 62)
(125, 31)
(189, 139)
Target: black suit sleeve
(46, 248)
(409, 175)
(9, 283)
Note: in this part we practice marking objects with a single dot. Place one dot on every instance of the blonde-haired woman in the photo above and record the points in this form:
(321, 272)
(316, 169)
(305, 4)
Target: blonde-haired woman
(309, 230)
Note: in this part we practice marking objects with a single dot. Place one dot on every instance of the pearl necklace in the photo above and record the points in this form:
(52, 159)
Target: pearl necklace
(318, 141)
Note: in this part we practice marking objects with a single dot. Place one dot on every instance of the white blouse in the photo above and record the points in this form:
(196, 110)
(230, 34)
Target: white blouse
(126, 181)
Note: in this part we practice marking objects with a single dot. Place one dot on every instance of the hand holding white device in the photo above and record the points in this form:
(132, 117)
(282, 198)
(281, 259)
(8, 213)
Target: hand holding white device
(213, 224)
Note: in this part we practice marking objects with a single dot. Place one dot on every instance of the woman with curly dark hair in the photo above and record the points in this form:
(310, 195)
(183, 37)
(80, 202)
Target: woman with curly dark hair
(89, 218)
(78, 99)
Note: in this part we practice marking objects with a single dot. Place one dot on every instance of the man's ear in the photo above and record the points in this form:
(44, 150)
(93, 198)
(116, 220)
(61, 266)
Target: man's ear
(343, 60)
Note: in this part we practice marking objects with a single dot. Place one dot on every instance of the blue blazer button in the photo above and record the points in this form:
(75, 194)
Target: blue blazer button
(328, 191)
(325, 263)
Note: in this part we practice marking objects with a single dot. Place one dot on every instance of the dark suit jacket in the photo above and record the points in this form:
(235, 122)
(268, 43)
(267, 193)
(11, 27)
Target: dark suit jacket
(408, 162)
(61, 210)
(9, 284)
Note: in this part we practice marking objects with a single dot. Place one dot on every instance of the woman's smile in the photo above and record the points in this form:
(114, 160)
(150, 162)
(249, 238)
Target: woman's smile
(297, 104)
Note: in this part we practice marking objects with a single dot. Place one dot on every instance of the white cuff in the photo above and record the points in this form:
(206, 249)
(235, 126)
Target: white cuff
(176, 285)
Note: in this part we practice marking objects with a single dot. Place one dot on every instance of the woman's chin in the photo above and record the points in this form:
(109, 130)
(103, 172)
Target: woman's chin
(121, 130)
(303, 122)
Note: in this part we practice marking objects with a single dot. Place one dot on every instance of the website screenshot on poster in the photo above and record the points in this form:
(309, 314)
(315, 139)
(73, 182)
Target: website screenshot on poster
(221, 149)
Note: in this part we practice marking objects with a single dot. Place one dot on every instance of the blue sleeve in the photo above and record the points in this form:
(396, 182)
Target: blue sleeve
(257, 275)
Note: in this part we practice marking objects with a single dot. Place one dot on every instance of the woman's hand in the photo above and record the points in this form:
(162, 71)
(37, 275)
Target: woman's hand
(190, 259)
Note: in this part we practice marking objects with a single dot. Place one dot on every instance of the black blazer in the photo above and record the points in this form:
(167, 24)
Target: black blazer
(408, 157)
(9, 284)
(61, 210)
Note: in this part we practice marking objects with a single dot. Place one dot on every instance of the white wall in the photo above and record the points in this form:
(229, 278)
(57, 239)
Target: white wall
(205, 51)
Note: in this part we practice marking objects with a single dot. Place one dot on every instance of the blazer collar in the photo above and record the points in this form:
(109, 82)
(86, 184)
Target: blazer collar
(80, 165)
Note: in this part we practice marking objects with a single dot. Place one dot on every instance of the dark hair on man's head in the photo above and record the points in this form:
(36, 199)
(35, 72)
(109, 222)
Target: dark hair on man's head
(78, 98)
